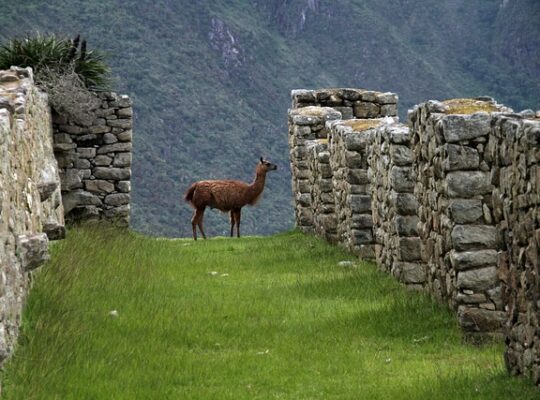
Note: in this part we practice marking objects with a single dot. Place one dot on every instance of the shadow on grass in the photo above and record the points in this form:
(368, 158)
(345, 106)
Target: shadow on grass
(372, 303)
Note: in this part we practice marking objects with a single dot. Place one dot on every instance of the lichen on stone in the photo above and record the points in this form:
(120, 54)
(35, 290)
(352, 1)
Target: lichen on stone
(362, 124)
(469, 106)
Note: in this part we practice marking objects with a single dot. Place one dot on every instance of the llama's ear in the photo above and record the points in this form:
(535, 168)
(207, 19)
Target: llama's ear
(261, 159)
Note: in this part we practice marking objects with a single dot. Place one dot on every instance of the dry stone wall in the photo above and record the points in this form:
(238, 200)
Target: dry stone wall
(394, 211)
(95, 157)
(453, 188)
(31, 210)
(515, 150)
(349, 145)
(449, 203)
(305, 125)
(321, 190)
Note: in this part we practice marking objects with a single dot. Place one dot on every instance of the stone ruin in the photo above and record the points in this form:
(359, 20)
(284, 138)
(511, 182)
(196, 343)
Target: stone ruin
(52, 169)
(447, 204)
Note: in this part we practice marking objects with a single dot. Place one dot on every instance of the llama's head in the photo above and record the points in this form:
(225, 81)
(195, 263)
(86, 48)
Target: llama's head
(266, 166)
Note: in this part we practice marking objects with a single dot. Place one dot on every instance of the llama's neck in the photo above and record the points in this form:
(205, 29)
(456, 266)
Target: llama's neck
(257, 186)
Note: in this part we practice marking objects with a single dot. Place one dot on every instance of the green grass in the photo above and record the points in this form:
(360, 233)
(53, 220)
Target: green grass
(279, 319)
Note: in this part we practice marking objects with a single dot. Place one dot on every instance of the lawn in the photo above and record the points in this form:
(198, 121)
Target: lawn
(116, 315)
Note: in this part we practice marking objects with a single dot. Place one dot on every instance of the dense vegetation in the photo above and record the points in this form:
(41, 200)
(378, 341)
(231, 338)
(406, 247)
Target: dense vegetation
(120, 316)
(211, 79)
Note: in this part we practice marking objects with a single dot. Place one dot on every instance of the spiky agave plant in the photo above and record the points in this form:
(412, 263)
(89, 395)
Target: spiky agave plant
(59, 54)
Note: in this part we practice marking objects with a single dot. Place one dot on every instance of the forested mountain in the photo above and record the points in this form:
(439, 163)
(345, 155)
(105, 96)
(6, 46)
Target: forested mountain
(210, 80)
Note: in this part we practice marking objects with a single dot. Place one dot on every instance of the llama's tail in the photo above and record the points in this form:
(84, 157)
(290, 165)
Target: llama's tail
(189, 194)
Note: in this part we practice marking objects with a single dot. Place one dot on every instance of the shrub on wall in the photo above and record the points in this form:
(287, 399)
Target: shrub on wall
(63, 67)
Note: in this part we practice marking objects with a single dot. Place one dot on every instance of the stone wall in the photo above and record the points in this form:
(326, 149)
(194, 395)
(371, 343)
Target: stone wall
(94, 156)
(453, 188)
(450, 203)
(394, 211)
(321, 190)
(30, 202)
(349, 152)
(515, 149)
(305, 125)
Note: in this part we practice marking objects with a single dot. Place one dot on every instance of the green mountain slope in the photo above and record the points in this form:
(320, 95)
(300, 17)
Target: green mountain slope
(211, 79)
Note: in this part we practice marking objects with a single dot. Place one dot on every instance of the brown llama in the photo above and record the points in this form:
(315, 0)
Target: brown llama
(226, 195)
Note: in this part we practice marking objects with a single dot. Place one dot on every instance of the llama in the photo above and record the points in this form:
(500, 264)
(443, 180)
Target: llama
(226, 195)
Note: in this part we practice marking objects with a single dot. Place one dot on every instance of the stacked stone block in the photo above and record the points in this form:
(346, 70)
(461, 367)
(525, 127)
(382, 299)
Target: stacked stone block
(31, 209)
(397, 244)
(351, 103)
(95, 160)
(305, 125)
(515, 148)
(456, 225)
(321, 190)
(349, 151)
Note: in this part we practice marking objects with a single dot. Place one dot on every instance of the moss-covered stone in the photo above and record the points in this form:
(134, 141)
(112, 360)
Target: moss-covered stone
(469, 106)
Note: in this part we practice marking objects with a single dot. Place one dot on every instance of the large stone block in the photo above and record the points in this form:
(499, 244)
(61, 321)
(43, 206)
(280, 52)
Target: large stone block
(32, 250)
(117, 174)
(458, 128)
(460, 157)
(470, 237)
(478, 279)
(466, 211)
(468, 184)
(473, 259)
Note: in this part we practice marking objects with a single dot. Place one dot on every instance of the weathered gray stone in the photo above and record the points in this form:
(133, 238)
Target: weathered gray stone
(401, 179)
(468, 183)
(103, 161)
(469, 237)
(116, 147)
(401, 155)
(405, 203)
(109, 138)
(86, 152)
(457, 128)
(478, 279)
(465, 211)
(124, 186)
(70, 179)
(410, 272)
(478, 320)
(54, 230)
(460, 158)
(99, 129)
(360, 203)
(120, 123)
(473, 259)
(124, 160)
(117, 199)
(366, 110)
(406, 225)
(46, 189)
(77, 198)
(32, 250)
(99, 186)
(410, 248)
(118, 174)
(125, 136)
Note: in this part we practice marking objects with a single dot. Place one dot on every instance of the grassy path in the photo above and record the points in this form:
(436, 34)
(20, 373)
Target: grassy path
(255, 318)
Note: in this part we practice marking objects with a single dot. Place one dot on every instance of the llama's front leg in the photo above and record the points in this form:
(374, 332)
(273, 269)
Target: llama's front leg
(237, 214)
(231, 213)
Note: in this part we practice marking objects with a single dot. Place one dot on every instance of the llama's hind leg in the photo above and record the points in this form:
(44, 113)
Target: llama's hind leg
(237, 213)
(200, 213)
(231, 213)
(194, 224)
(197, 221)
